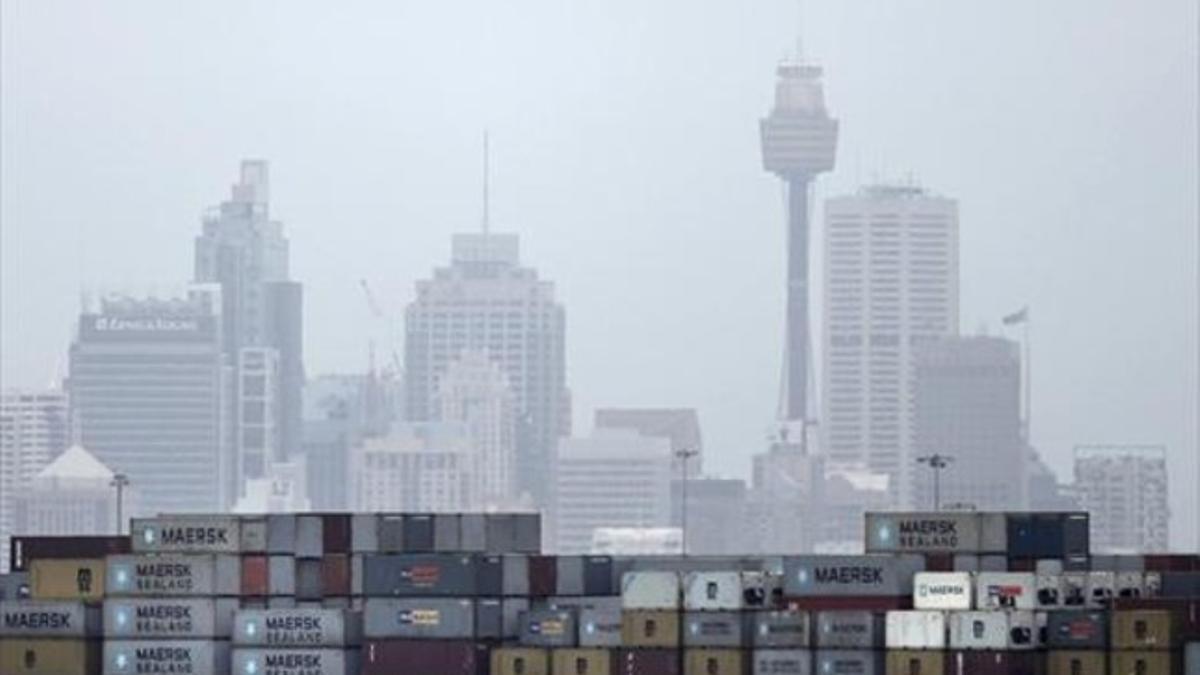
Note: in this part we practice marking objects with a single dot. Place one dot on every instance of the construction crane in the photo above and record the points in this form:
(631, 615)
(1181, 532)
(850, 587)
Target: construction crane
(378, 313)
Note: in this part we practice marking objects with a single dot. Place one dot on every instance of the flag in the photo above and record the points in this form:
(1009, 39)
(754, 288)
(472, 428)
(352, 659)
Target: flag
(1020, 316)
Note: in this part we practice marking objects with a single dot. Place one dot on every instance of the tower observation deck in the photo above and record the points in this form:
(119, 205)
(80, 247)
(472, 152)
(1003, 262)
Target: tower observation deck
(799, 141)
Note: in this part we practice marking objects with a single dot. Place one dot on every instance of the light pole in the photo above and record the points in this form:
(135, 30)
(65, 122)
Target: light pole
(684, 454)
(937, 462)
(120, 481)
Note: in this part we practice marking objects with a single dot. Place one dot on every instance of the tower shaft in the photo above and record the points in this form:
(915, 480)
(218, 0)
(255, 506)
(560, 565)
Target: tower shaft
(795, 390)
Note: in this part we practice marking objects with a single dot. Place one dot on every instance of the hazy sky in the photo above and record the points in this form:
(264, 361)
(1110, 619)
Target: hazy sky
(625, 153)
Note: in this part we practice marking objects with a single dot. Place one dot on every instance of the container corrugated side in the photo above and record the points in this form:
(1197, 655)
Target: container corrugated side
(925, 532)
(849, 630)
(1142, 629)
(25, 549)
(281, 533)
(868, 575)
(49, 618)
(528, 533)
(186, 534)
(781, 662)
(67, 579)
(650, 590)
(581, 662)
(712, 591)
(942, 590)
(915, 662)
(1075, 662)
(568, 575)
(419, 618)
(364, 533)
(549, 628)
(447, 532)
(780, 628)
(473, 532)
(294, 661)
(419, 575)
(647, 662)
(440, 657)
(520, 661)
(49, 656)
(1006, 590)
(1142, 663)
(297, 628)
(600, 626)
(156, 618)
(848, 662)
(714, 662)
(714, 629)
(648, 628)
(501, 532)
(978, 630)
(173, 575)
(915, 629)
(1077, 630)
(164, 657)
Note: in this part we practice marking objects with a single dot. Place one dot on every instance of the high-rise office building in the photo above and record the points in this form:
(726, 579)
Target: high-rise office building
(967, 406)
(148, 388)
(1124, 488)
(245, 252)
(681, 426)
(33, 431)
(616, 478)
(474, 392)
(73, 495)
(716, 515)
(891, 284)
(799, 142)
(417, 467)
(485, 300)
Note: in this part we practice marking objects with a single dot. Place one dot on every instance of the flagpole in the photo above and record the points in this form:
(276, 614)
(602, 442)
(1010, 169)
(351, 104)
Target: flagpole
(1028, 385)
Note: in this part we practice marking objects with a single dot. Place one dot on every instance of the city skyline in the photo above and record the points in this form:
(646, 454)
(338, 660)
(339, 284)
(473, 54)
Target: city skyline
(730, 443)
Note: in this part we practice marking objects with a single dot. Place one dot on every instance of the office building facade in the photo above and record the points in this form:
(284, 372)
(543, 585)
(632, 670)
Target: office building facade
(1124, 488)
(33, 431)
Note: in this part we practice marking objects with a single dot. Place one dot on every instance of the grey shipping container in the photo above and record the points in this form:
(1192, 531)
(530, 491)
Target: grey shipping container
(157, 618)
(273, 603)
(848, 662)
(529, 533)
(1191, 658)
(501, 532)
(14, 585)
(512, 609)
(254, 534)
(1077, 630)
(849, 630)
(549, 628)
(419, 618)
(472, 530)
(600, 626)
(489, 575)
(310, 536)
(714, 629)
(294, 661)
(865, 575)
(429, 574)
(281, 575)
(390, 533)
(516, 575)
(186, 534)
(938, 532)
(781, 662)
(1047, 535)
(780, 628)
(364, 533)
(281, 533)
(598, 576)
(297, 628)
(163, 657)
(569, 575)
(489, 619)
(447, 533)
(48, 618)
(173, 575)
(418, 533)
(308, 579)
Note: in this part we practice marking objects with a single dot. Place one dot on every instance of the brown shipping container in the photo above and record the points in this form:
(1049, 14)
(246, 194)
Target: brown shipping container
(1145, 629)
(581, 662)
(67, 579)
(520, 661)
(647, 662)
(995, 663)
(335, 533)
(1076, 663)
(1143, 663)
(424, 657)
(335, 574)
(1172, 563)
(543, 575)
(1022, 564)
(49, 657)
(27, 549)
(715, 662)
(875, 603)
(1185, 614)
(254, 576)
(911, 662)
(649, 629)
(939, 562)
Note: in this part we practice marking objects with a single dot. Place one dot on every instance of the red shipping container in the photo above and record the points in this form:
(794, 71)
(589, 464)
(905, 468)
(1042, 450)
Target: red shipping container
(939, 562)
(335, 575)
(255, 576)
(335, 533)
(1022, 564)
(424, 657)
(877, 603)
(1172, 563)
(995, 663)
(543, 575)
(648, 662)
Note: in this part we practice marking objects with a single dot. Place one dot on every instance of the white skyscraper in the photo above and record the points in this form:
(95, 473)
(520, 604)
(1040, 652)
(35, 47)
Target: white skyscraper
(615, 478)
(33, 431)
(1124, 488)
(417, 467)
(485, 300)
(474, 392)
(891, 284)
(72, 495)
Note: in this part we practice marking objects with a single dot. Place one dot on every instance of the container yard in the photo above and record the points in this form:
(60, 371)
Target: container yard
(472, 594)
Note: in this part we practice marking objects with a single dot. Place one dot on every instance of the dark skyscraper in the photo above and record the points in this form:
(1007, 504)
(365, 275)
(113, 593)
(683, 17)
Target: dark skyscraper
(245, 252)
(799, 141)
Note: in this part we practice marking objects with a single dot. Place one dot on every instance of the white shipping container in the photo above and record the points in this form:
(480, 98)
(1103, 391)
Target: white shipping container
(296, 628)
(173, 575)
(1130, 585)
(942, 590)
(650, 590)
(1049, 591)
(168, 618)
(1100, 588)
(1074, 590)
(1024, 629)
(254, 535)
(185, 534)
(713, 591)
(162, 657)
(1006, 590)
(915, 629)
(292, 662)
(760, 588)
(979, 630)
